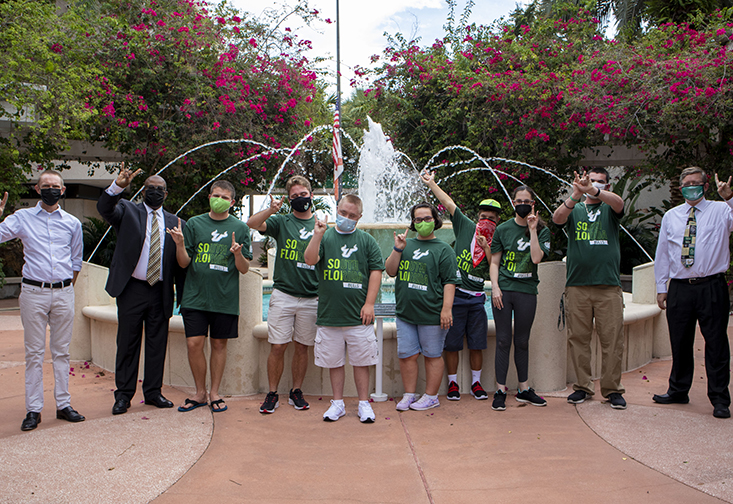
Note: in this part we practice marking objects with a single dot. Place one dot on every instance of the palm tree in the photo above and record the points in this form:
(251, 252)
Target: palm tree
(631, 16)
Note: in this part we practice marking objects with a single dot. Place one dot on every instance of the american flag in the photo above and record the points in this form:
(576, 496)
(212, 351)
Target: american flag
(338, 161)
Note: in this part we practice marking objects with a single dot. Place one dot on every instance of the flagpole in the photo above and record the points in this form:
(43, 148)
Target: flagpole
(338, 167)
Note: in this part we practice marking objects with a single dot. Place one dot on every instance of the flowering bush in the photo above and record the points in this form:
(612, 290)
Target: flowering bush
(546, 90)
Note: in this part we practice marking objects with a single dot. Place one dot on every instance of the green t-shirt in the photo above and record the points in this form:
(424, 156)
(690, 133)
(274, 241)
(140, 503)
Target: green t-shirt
(343, 276)
(292, 275)
(594, 254)
(471, 278)
(212, 278)
(517, 272)
(426, 266)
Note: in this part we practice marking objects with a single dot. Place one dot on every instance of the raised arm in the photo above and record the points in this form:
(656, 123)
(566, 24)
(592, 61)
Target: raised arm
(562, 212)
(241, 262)
(182, 256)
(428, 178)
(536, 252)
(312, 251)
(392, 264)
(259, 220)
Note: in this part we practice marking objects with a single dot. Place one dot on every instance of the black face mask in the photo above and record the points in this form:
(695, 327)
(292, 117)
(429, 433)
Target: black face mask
(50, 196)
(523, 210)
(154, 197)
(300, 204)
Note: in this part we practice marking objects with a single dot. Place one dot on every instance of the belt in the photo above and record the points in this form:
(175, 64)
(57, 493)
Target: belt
(50, 285)
(699, 280)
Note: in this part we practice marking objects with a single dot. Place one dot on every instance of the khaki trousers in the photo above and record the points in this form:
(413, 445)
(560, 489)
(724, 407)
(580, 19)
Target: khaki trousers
(605, 304)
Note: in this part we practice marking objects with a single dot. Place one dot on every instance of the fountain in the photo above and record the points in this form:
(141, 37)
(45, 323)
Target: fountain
(389, 185)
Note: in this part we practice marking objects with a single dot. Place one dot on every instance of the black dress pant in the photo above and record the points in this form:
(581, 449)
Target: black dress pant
(707, 303)
(140, 304)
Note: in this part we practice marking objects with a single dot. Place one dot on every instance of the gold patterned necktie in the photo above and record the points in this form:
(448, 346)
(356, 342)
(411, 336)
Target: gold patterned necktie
(688, 241)
(154, 258)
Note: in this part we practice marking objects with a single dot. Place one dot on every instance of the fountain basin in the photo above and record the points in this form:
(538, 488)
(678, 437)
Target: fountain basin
(645, 333)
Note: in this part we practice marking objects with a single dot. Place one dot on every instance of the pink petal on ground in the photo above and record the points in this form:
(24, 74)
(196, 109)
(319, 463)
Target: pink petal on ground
(144, 418)
(386, 418)
(391, 399)
(644, 377)
(142, 401)
(371, 400)
(71, 369)
(84, 376)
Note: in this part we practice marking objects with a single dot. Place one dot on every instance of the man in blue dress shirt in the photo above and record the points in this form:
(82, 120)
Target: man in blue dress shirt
(52, 248)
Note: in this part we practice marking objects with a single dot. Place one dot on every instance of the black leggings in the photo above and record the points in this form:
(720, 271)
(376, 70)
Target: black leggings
(524, 307)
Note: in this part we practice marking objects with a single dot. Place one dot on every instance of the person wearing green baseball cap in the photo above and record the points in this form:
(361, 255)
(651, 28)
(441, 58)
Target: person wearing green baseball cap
(473, 240)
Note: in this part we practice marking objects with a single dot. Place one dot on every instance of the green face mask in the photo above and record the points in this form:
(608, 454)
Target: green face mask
(424, 228)
(219, 205)
(692, 193)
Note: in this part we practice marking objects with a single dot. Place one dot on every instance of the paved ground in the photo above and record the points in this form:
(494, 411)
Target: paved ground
(459, 452)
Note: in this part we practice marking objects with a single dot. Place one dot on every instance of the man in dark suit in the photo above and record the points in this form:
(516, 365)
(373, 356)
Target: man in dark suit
(141, 277)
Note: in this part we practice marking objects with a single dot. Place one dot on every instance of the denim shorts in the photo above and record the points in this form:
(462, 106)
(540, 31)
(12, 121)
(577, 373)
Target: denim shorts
(425, 339)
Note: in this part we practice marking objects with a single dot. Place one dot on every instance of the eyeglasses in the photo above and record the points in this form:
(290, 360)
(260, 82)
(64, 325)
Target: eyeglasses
(523, 202)
(422, 219)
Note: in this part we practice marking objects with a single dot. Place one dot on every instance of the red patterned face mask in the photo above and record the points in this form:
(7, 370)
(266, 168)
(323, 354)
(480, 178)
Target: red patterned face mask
(486, 228)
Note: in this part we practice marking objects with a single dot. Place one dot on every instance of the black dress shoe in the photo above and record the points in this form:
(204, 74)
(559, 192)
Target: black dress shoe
(120, 406)
(719, 411)
(670, 399)
(31, 421)
(69, 414)
(159, 401)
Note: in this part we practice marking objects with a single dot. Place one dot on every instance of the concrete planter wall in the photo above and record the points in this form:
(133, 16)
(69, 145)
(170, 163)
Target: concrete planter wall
(645, 333)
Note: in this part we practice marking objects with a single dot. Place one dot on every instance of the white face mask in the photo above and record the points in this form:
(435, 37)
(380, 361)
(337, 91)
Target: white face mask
(599, 185)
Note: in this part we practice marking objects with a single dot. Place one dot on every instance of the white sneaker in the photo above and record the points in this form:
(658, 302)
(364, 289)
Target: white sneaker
(425, 403)
(407, 399)
(366, 413)
(335, 412)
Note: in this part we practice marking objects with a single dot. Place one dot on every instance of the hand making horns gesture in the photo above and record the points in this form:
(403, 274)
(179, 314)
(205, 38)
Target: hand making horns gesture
(177, 234)
(126, 176)
(724, 188)
(276, 204)
(3, 202)
(320, 226)
(400, 240)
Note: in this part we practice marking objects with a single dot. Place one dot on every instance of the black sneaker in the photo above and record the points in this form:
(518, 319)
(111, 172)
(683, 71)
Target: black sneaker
(499, 403)
(271, 402)
(578, 397)
(478, 391)
(454, 393)
(296, 399)
(528, 396)
(617, 401)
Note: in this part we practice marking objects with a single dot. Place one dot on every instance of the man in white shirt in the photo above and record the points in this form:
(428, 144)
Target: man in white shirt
(52, 249)
(693, 255)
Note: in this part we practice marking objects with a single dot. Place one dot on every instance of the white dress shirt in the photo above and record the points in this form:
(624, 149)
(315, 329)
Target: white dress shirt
(52, 242)
(141, 269)
(714, 221)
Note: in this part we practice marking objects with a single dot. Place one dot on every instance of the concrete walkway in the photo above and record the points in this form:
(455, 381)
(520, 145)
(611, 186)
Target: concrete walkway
(460, 452)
